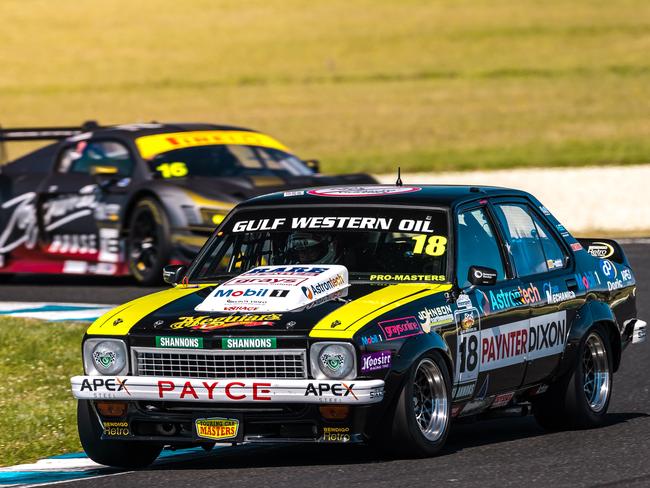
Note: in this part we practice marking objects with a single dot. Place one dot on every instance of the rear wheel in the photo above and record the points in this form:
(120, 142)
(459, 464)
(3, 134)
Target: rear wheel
(119, 454)
(581, 399)
(149, 242)
(421, 418)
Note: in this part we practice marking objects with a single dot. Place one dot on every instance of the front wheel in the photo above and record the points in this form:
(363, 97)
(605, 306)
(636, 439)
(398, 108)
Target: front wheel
(581, 399)
(118, 454)
(421, 418)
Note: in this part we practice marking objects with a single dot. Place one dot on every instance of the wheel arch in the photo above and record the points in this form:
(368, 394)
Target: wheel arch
(588, 316)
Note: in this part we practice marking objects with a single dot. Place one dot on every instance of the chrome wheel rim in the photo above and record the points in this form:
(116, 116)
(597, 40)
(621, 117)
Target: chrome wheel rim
(430, 403)
(595, 373)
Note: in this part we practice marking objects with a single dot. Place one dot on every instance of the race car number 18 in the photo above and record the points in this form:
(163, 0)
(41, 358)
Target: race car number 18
(467, 357)
(435, 245)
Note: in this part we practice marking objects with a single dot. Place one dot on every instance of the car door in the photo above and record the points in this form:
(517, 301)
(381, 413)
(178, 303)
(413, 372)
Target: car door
(542, 262)
(74, 193)
(486, 353)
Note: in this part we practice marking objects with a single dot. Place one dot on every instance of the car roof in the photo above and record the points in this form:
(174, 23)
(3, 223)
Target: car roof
(133, 131)
(415, 195)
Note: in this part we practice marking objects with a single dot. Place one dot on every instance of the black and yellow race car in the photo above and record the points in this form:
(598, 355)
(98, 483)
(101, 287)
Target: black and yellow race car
(362, 314)
(129, 199)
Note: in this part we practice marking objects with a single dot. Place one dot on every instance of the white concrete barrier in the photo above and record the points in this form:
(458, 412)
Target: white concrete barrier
(605, 198)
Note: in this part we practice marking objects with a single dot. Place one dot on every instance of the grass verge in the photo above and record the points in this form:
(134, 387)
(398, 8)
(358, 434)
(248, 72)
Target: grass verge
(38, 412)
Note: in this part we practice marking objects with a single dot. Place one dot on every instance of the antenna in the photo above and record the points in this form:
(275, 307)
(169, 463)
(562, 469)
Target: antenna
(399, 177)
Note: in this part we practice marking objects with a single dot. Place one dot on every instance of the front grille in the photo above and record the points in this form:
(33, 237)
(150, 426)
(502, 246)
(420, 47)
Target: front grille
(287, 363)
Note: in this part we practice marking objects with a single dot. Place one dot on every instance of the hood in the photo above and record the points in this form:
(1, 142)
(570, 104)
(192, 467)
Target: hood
(245, 187)
(172, 311)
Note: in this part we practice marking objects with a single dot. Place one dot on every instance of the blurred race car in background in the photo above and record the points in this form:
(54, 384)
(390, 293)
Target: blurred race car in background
(129, 199)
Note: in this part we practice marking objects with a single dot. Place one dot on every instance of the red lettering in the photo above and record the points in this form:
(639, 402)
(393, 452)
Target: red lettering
(491, 352)
(210, 388)
(161, 388)
(484, 348)
(524, 340)
(259, 389)
(188, 389)
(230, 395)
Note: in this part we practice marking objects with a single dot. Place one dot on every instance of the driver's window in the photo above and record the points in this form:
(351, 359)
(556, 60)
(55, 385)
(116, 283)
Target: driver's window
(477, 245)
(82, 156)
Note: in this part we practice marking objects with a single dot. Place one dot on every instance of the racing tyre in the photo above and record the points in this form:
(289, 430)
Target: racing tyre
(149, 242)
(581, 399)
(421, 418)
(119, 454)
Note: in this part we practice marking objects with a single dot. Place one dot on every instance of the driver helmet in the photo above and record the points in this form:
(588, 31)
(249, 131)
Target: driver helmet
(306, 247)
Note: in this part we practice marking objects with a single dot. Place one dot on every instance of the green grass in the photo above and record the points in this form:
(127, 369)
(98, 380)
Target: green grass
(38, 411)
(362, 85)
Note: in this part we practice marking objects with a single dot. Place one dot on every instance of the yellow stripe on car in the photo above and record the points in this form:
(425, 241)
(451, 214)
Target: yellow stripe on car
(120, 320)
(150, 146)
(346, 321)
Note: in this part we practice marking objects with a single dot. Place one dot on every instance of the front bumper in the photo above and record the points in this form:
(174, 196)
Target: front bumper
(231, 390)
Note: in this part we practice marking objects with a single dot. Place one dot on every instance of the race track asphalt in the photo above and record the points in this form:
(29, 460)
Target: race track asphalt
(500, 453)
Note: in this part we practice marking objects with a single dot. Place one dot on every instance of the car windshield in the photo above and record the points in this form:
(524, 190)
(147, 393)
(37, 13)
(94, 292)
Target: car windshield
(227, 160)
(390, 244)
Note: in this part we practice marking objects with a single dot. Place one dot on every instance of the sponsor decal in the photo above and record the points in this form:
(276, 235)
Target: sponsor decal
(601, 250)
(554, 263)
(433, 317)
(180, 342)
(116, 429)
(467, 319)
(463, 301)
(502, 400)
(377, 392)
(514, 297)
(423, 226)
(73, 244)
(207, 323)
(362, 191)
(576, 246)
(626, 274)
(463, 390)
(336, 434)
(150, 146)
(476, 405)
(375, 361)
(104, 359)
(104, 388)
(295, 193)
(608, 269)
(216, 428)
(233, 390)
(333, 362)
(400, 328)
(544, 210)
(245, 280)
(555, 295)
(308, 293)
(562, 230)
(285, 271)
(587, 280)
(371, 339)
(330, 393)
(522, 341)
(248, 343)
(615, 285)
(328, 285)
(406, 277)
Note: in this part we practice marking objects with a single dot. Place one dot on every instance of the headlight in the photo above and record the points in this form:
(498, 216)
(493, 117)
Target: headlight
(213, 216)
(105, 357)
(333, 360)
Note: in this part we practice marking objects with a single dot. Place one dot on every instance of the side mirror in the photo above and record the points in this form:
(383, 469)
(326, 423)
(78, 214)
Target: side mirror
(480, 275)
(313, 164)
(173, 274)
(104, 170)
